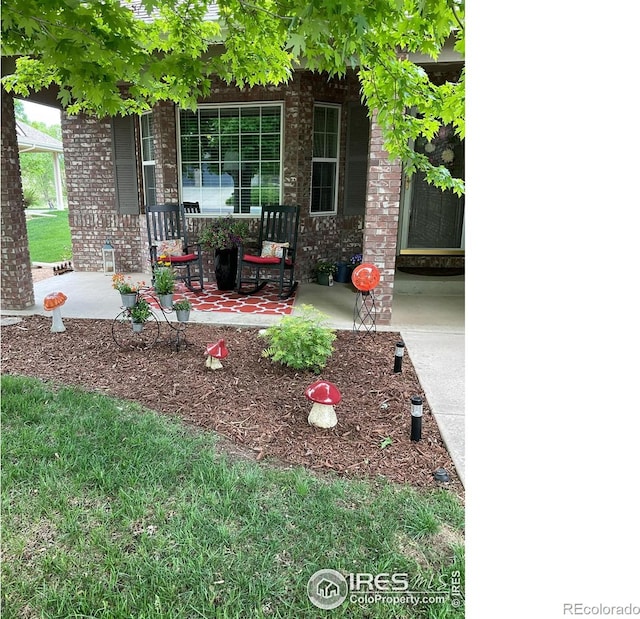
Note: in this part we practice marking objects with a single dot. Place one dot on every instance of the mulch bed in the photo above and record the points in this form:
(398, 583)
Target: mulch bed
(258, 406)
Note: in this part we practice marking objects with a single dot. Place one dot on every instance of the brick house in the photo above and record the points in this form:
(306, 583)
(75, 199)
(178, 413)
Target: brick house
(309, 142)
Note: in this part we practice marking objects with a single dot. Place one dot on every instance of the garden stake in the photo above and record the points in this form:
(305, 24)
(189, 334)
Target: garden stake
(416, 418)
(397, 363)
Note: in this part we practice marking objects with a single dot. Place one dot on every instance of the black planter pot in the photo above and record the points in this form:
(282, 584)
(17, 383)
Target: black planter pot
(344, 273)
(226, 268)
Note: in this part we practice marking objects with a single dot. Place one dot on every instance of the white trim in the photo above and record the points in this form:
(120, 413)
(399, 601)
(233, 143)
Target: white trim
(335, 160)
(147, 163)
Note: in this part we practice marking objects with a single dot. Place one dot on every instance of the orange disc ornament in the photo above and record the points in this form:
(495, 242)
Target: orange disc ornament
(366, 277)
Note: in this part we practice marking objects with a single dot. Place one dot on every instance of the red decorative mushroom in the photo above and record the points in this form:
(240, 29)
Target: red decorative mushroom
(324, 395)
(216, 352)
(55, 301)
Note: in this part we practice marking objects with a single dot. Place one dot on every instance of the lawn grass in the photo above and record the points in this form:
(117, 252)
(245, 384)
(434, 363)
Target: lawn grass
(49, 237)
(115, 512)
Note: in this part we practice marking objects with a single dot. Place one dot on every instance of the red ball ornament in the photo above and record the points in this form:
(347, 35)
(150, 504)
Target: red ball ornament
(366, 277)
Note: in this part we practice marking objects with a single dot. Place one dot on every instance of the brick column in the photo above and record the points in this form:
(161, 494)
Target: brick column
(384, 179)
(17, 283)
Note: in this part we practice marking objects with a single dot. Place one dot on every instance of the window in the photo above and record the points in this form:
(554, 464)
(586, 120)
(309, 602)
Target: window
(324, 180)
(148, 158)
(230, 157)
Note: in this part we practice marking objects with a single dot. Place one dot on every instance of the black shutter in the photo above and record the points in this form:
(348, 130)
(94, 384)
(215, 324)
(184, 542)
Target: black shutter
(124, 157)
(357, 158)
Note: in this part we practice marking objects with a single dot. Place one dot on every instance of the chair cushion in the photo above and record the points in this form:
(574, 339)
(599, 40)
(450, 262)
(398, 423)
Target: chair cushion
(185, 258)
(171, 247)
(264, 260)
(271, 249)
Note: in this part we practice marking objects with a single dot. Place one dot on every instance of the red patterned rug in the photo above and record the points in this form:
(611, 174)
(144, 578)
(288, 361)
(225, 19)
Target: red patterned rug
(213, 300)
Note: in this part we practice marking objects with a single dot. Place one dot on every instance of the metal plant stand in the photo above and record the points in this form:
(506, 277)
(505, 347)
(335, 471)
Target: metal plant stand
(365, 278)
(364, 312)
(124, 336)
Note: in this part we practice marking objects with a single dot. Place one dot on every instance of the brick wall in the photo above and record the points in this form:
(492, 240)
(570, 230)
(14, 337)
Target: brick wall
(91, 190)
(381, 219)
(17, 283)
(329, 237)
(323, 236)
(91, 185)
(164, 122)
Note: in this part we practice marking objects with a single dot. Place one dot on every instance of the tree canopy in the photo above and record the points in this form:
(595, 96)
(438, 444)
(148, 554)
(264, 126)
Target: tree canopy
(122, 56)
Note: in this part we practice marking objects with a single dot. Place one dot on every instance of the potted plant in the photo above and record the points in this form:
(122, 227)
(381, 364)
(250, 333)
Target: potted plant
(224, 235)
(325, 271)
(127, 289)
(140, 312)
(182, 308)
(164, 282)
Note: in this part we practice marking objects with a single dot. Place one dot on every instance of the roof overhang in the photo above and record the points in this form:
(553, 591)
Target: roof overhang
(31, 140)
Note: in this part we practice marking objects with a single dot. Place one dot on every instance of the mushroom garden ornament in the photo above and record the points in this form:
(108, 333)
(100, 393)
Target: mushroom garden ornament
(55, 301)
(216, 352)
(324, 395)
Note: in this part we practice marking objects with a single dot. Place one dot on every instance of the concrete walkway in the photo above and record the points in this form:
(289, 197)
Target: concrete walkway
(428, 313)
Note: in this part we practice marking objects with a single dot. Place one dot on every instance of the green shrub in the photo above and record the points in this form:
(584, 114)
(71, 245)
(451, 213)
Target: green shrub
(301, 342)
(29, 196)
(326, 266)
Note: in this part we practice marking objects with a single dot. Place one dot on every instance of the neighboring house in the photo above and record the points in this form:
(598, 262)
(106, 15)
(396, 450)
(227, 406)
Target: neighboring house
(309, 142)
(30, 140)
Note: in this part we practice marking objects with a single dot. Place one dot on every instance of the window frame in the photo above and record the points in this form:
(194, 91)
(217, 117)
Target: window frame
(148, 163)
(254, 211)
(334, 160)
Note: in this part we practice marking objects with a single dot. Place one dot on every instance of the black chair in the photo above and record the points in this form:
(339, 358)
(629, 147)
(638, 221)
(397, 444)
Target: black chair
(276, 259)
(168, 236)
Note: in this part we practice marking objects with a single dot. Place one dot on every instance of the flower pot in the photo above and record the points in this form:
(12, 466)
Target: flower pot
(324, 278)
(128, 299)
(183, 315)
(166, 300)
(344, 273)
(137, 327)
(226, 268)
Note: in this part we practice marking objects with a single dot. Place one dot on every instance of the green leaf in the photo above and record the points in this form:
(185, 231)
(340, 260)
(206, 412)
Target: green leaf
(88, 50)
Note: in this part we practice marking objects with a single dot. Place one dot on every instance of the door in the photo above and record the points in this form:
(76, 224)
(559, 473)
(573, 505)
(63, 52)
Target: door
(432, 219)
